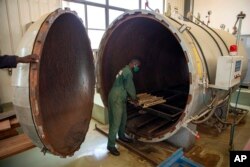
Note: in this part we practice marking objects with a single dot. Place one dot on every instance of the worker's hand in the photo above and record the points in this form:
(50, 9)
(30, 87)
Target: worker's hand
(33, 58)
(135, 103)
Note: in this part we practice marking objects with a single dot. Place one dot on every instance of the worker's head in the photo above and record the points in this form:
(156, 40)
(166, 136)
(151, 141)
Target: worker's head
(135, 64)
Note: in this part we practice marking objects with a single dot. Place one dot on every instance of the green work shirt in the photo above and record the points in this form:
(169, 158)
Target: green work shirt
(124, 84)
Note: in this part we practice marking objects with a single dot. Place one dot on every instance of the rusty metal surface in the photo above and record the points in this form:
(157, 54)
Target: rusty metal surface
(164, 66)
(163, 60)
(154, 121)
(61, 85)
(171, 60)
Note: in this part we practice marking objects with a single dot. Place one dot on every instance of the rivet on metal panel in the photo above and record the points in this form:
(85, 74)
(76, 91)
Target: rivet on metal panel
(59, 10)
(67, 8)
(74, 12)
(38, 41)
(40, 37)
(50, 20)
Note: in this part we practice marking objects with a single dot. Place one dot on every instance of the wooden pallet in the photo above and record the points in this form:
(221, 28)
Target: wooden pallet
(11, 142)
(8, 127)
(14, 145)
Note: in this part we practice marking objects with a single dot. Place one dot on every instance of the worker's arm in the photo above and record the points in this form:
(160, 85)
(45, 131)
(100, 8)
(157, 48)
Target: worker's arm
(8, 61)
(129, 85)
(11, 61)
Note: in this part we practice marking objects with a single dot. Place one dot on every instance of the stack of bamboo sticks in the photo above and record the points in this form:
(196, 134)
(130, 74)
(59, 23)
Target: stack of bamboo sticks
(147, 100)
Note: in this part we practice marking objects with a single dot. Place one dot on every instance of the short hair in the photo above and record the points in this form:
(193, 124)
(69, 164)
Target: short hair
(135, 61)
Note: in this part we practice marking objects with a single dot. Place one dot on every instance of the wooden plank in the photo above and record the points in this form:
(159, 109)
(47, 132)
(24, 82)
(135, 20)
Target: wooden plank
(14, 145)
(150, 104)
(4, 125)
(8, 133)
(14, 123)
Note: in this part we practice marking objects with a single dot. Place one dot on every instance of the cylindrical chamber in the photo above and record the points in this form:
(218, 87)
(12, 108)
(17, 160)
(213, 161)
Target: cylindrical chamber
(54, 98)
(176, 56)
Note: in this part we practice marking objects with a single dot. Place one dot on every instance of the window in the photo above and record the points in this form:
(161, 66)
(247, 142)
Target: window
(96, 17)
(93, 13)
(65, 4)
(127, 4)
(79, 8)
(98, 1)
(95, 38)
(113, 14)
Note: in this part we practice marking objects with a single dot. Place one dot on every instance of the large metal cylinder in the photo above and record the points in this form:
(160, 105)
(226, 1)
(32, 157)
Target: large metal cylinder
(54, 98)
(176, 56)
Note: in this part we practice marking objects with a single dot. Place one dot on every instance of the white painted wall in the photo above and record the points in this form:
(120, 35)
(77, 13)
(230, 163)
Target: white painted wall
(176, 3)
(224, 12)
(14, 17)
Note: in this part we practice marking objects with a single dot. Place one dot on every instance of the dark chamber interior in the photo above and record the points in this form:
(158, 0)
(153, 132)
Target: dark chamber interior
(66, 85)
(164, 72)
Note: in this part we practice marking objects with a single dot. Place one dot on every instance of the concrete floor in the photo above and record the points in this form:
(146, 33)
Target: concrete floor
(212, 147)
(93, 153)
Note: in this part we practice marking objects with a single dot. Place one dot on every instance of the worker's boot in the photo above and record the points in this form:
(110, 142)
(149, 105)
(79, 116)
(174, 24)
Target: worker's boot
(125, 139)
(113, 151)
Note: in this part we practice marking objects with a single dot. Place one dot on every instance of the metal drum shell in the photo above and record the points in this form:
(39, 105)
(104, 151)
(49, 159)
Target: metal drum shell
(38, 97)
(200, 45)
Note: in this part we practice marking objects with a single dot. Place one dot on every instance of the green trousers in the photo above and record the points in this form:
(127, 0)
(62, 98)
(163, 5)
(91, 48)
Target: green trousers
(117, 119)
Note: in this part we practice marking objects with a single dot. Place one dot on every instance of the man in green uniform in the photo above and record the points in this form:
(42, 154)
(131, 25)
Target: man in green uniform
(117, 99)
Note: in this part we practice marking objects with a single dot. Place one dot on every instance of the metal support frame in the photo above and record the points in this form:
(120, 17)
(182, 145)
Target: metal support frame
(107, 14)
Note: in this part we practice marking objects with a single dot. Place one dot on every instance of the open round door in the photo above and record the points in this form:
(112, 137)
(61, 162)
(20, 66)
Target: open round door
(61, 84)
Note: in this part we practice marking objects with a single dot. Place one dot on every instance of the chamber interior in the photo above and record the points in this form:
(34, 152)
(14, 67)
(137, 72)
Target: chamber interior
(164, 72)
(66, 85)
